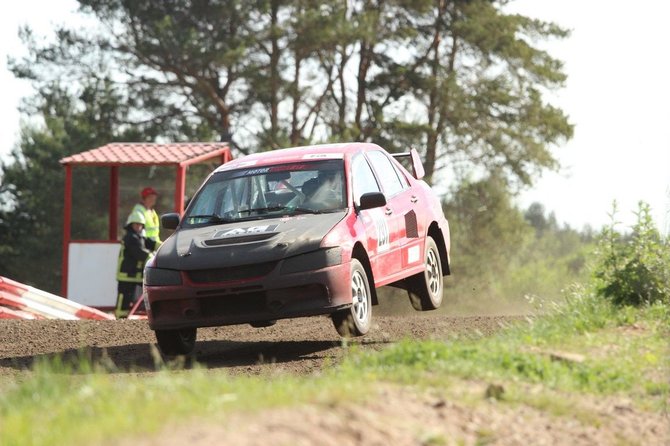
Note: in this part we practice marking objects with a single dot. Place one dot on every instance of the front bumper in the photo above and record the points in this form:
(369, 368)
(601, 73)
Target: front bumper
(272, 296)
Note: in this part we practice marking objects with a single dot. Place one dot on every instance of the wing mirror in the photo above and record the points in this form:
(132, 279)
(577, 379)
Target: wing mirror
(170, 221)
(372, 200)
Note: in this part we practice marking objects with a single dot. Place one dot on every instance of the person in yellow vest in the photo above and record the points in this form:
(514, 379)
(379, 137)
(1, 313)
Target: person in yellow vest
(135, 251)
(146, 208)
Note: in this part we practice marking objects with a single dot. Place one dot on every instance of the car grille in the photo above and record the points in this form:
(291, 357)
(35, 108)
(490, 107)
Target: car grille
(231, 273)
(252, 303)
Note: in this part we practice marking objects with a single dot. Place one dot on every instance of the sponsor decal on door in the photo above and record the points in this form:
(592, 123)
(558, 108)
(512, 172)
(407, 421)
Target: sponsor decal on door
(383, 233)
(413, 254)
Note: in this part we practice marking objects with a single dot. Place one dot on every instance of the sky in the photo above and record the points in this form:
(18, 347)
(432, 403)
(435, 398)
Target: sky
(617, 95)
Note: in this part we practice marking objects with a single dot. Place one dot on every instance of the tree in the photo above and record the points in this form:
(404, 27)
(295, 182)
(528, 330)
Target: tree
(535, 215)
(477, 80)
(32, 184)
(461, 81)
(488, 231)
(504, 257)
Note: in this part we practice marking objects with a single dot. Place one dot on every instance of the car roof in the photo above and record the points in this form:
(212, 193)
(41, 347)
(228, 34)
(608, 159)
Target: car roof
(296, 154)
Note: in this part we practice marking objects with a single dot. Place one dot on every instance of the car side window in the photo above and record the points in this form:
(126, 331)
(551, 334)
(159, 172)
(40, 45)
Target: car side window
(387, 173)
(363, 180)
(401, 176)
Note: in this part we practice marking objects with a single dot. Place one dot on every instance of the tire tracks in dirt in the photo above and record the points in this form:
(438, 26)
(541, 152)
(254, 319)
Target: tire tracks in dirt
(297, 346)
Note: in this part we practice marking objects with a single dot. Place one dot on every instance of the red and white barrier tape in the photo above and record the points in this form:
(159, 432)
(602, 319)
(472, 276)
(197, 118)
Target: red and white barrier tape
(8, 313)
(46, 304)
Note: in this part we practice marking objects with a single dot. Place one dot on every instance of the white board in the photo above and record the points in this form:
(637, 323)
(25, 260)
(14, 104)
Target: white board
(91, 274)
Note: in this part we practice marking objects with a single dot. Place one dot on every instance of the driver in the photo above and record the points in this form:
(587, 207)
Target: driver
(321, 192)
(326, 192)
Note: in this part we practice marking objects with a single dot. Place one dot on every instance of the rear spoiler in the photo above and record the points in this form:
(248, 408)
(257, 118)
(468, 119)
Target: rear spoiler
(412, 162)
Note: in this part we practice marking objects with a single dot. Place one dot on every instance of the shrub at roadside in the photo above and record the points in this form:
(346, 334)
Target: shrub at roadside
(635, 269)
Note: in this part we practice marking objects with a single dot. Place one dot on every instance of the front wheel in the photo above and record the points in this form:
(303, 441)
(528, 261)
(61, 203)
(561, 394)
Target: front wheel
(355, 321)
(176, 342)
(425, 289)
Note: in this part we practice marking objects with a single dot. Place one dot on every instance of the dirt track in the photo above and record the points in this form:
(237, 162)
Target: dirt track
(297, 346)
(396, 415)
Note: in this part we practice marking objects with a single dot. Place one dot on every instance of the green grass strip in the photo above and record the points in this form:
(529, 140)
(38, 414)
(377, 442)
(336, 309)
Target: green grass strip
(625, 351)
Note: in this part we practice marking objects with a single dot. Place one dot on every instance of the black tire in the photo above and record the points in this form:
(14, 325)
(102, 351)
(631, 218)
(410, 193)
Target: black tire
(355, 321)
(176, 342)
(425, 289)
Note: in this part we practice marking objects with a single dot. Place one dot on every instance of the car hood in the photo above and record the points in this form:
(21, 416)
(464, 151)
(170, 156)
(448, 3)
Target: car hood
(243, 243)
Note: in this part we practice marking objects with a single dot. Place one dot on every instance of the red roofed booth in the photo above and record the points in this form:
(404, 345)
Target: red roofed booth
(89, 266)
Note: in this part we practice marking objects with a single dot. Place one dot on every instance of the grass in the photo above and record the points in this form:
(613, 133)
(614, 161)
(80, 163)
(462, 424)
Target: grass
(62, 405)
(625, 352)
(526, 353)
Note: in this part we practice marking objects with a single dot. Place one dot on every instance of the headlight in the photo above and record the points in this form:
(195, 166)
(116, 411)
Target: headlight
(159, 276)
(312, 260)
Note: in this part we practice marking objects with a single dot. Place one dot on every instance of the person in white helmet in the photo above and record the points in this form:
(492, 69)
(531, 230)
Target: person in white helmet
(135, 250)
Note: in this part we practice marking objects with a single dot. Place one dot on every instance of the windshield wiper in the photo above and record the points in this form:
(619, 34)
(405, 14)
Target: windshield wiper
(211, 218)
(265, 209)
(304, 210)
(288, 209)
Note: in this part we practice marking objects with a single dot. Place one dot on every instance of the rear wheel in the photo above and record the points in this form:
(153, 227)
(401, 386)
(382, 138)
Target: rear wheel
(355, 321)
(425, 289)
(176, 342)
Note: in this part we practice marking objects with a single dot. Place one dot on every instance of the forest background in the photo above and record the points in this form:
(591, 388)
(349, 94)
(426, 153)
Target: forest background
(464, 82)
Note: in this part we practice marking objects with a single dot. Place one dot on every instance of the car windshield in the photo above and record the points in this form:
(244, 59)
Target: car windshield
(269, 191)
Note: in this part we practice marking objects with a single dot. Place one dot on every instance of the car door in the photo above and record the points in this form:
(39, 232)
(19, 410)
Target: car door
(397, 199)
(378, 225)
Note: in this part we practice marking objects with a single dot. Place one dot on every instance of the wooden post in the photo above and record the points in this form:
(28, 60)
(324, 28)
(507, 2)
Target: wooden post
(67, 221)
(180, 189)
(225, 157)
(113, 202)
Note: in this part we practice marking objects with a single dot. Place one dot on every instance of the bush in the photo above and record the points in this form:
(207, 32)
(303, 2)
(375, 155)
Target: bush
(635, 269)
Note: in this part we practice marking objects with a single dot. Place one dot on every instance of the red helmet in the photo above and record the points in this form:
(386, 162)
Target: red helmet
(148, 191)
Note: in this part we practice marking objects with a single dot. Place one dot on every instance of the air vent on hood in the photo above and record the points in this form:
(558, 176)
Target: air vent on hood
(239, 239)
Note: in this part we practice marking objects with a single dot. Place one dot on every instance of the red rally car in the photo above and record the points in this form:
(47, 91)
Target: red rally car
(298, 232)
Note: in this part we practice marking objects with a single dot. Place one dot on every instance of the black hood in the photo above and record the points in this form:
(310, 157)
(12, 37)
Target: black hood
(244, 243)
